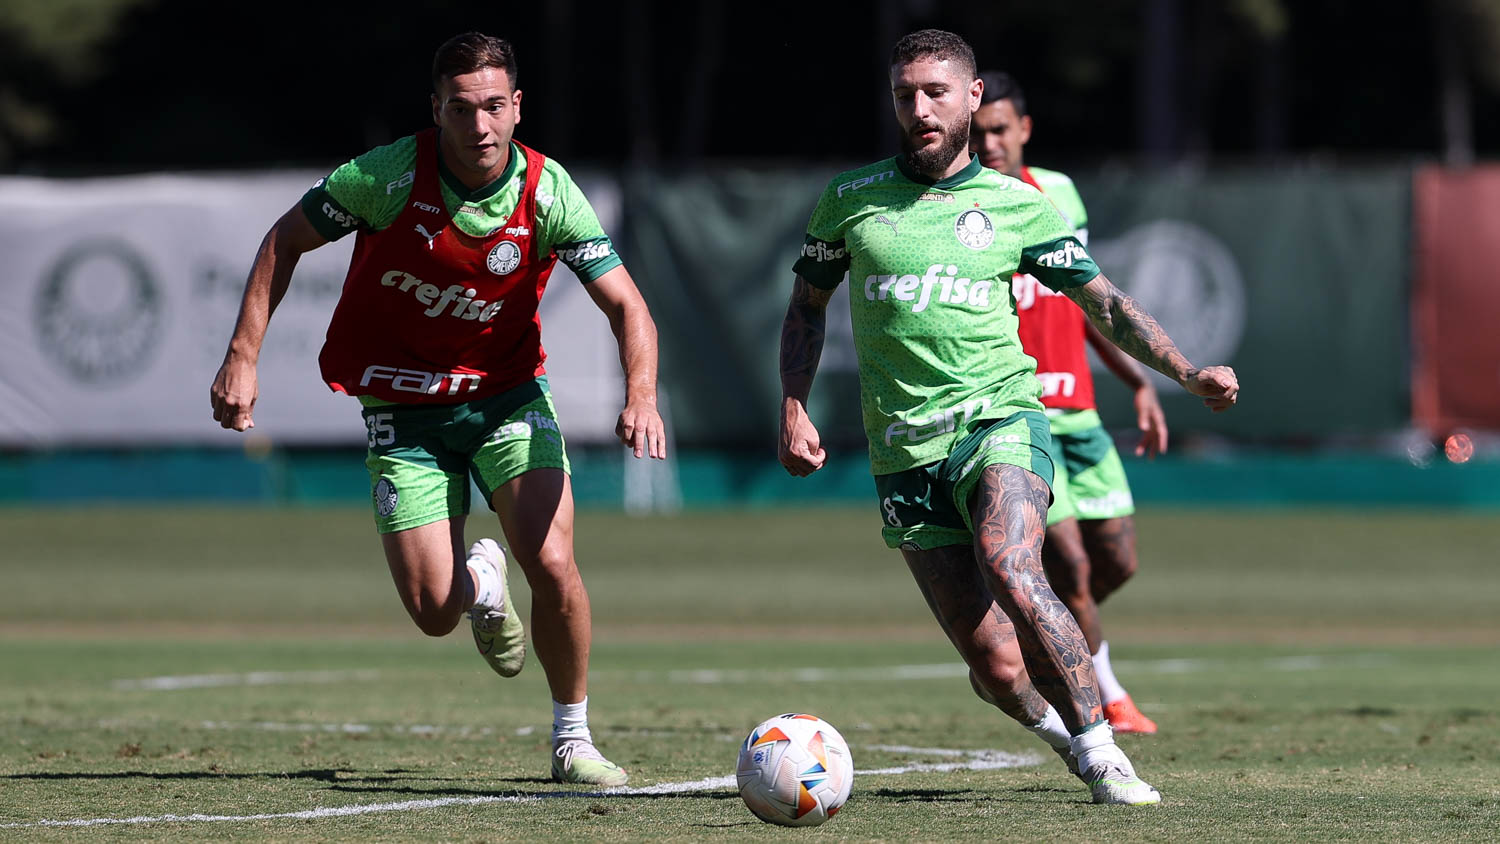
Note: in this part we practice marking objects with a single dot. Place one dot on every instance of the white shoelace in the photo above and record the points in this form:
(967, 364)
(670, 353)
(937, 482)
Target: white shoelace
(579, 749)
(487, 620)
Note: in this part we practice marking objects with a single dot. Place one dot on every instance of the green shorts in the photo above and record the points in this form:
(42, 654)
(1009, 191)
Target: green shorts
(1090, 477)
(421, 456)
(927, 506)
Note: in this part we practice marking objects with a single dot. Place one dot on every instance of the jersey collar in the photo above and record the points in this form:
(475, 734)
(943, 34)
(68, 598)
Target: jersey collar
(487, 191)
(971, 170)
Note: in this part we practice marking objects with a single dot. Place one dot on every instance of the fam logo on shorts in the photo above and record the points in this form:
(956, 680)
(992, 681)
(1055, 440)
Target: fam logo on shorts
(974, 229)
(504, 258)
(386, 497)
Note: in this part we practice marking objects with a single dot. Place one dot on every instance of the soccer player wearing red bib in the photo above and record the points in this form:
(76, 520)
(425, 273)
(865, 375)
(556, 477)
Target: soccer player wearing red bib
(437, 334)
(1090, 546)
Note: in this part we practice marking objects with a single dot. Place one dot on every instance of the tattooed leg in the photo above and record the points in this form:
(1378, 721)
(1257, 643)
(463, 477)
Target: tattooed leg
(1009, 513)
(986, 639)
(1111, 553)
(1067, 566)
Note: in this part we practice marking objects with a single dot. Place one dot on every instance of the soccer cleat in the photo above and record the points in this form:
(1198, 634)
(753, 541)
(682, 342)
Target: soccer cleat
(1116, 784)
(578, 761)
(1109, 775)
(1125, 718)
(498, 632)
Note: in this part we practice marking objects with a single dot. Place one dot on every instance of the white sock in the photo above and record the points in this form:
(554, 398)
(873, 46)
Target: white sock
(1097, 745)
(1110, 689)
(1051, 729)
(485, 583)
(571, 721)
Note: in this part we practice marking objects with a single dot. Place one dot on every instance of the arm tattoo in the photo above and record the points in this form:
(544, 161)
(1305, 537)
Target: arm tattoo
(1009, 513)
(802, 334)
(1122, 321)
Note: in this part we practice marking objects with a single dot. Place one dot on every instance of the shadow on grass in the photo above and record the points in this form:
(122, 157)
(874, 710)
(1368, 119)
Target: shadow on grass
(316, 774)
(351, 781)
(532, 793)
(964, 795)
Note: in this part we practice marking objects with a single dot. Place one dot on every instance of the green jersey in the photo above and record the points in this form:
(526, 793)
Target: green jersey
(934, 323)
(372, 190)
(1060, 189)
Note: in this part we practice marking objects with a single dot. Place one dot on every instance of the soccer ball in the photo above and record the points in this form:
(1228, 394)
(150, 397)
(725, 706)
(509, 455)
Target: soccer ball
(795, 770)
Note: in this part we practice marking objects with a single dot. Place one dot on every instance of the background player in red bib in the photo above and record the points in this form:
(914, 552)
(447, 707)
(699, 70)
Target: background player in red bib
(437, 334)
(1090, 546)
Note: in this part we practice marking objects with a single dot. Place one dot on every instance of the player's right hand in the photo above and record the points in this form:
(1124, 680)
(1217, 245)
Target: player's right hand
(799, 451)
(233, 395)
(1152, 422)
(1217, 385)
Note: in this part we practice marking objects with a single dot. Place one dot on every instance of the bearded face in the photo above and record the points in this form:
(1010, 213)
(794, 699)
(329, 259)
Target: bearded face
(934, 98)
(928, 154)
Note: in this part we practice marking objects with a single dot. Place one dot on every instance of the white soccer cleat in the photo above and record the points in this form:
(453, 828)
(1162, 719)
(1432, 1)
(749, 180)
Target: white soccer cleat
(1119, 786)
(498, 632)
(578, 761)
(1107, 772)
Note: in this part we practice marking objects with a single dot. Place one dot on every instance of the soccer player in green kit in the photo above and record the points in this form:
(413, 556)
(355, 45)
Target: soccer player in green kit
(1090, 547)
(929, 240)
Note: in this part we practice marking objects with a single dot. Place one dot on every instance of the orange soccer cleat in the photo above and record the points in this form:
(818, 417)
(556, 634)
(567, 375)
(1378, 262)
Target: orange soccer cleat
(1125, 718)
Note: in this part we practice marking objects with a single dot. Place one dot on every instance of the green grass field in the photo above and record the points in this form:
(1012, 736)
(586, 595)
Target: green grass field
(249, 674)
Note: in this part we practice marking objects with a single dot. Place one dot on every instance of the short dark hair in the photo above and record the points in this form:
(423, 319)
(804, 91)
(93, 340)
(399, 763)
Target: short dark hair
(999, 85)
(470, 52)
(934, 44)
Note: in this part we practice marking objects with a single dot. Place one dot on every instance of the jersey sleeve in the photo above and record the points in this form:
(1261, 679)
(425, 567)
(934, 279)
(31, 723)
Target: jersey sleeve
(569, 227)
(1050, 250)
(824, 260)
(1080, 216)
(1081, 225)
(368, 191)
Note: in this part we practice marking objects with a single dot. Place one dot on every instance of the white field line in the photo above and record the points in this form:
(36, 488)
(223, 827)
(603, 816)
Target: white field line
(253, 678)
(733, 676)
(945, 670)
(979, 760)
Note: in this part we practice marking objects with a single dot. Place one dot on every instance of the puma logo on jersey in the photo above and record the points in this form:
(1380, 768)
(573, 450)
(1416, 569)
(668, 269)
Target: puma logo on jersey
(422, 230)
(951, 290)
(881, 218)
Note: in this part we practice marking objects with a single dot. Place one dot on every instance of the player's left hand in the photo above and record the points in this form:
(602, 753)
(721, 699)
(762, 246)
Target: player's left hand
(640, 428)
(1152, 422)
(1217, 385)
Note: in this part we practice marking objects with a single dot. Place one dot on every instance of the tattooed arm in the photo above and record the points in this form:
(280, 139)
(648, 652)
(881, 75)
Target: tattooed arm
(801, 347)
(1148, 413)
(1123, 322)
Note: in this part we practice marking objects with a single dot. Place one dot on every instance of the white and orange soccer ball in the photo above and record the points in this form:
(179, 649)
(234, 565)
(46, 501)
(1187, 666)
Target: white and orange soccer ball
(795, 770)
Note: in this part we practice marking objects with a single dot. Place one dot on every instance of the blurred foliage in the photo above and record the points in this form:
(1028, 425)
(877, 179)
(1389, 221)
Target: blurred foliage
(1267, 17)
(44, 43)
(1274, 79)
(63, 35)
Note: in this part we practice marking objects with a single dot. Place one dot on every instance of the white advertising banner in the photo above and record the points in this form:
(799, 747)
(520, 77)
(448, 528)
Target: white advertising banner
(121, 294)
